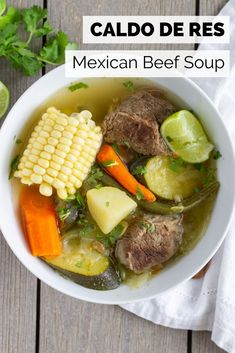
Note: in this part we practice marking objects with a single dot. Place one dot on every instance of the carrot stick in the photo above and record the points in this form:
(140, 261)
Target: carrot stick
(39, 222)
(117, 169)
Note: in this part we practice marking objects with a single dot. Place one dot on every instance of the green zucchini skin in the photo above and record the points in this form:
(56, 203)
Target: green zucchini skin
(109, 279)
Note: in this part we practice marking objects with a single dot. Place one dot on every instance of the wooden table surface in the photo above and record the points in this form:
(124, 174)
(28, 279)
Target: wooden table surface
(36, 318)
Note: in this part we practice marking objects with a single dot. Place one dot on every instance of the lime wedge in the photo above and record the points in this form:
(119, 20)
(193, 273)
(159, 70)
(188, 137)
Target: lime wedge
(185, 136)
(3, 6)
(4, 99)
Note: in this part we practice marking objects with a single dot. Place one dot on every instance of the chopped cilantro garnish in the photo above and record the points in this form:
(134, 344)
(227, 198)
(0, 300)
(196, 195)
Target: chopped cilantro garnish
(139, 170)
(110, 239)
(217, 155)
(110, 163)
(14, 166)
(78, 85)
(197, 190)
(150, 227)
(86, 230)
(80, 200)
(176, 164)
(139, 194)
(169, 139)
(95, 176)
(129, 85)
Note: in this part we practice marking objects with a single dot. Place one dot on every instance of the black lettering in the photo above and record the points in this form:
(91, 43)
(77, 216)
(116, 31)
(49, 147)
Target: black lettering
(119, 30)
(133, 29)
(75, 61)
(165, 29)
(219, 31)
(148, 62)
(112, 65)
(109, 30)
(194, 28)
(178, 29)
(207, 29)
(93, 31)
(147, 29)
(91, 63)
(188, 62)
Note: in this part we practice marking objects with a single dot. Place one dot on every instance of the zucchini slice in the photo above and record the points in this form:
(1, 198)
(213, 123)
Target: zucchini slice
(170, 181)
(81, 263)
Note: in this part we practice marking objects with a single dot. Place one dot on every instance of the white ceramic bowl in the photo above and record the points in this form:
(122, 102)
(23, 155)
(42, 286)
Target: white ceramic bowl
(178, 272)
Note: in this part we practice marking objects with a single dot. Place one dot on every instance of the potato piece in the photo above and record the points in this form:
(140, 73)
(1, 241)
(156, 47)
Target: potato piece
(109, 206)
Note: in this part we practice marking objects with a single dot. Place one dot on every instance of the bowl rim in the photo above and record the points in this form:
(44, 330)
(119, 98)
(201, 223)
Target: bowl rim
(38, 274)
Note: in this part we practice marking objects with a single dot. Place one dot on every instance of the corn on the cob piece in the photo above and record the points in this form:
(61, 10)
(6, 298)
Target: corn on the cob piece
(60, 152)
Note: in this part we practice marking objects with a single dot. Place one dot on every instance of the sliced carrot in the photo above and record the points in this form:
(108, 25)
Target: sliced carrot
(117, 169)
(40, 223)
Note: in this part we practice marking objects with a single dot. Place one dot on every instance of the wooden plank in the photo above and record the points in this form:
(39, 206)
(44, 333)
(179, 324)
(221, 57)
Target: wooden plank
(68, 325)
(17, 285)
(201, 341)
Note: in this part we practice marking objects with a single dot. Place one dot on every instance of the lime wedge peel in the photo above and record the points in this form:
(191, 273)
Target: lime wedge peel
(4, 99)
(3, 6)
(185, 136)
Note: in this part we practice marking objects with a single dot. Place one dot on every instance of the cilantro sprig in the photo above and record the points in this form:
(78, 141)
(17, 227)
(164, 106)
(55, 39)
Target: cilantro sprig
(18, 50)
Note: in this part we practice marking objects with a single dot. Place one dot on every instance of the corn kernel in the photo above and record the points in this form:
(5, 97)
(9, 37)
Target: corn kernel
(59, 127)
(49, 149)
(33, 158)
(35, 151)
(48, 179)
(63, 148)
(43, 163)
(45, 155)
(58, 184)
(66, 170)
(52, 172)
(26, 181)
(72, 191)
(45, 189)
(62, 177)
(68, 164)
(26, 172)
(36, 179)
(71, 158)
(65, 141)
(59, 153)
(41, 140)
(67, 134)
(71, 129)
(54, 165)
(62, 121)
(86, 114)
(73, 122)
(57, 159)
(56, 134)
(39, 170)
(52, 141)
(62, 194)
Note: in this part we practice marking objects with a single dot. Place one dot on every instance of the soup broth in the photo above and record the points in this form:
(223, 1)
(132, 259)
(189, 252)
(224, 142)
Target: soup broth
(99, 98)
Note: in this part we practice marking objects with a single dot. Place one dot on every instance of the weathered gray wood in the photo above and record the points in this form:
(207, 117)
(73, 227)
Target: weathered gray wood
(201, 341)
(17, 285)
(69, 325)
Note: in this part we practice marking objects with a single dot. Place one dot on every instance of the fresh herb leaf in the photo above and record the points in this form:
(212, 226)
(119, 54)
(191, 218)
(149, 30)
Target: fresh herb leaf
(116, 148)
(18, 51)
(197, 190)
(110, 163)
(86, 230)
(14, 166)
(139, 170)
(169, 139)
(217, 155)
(201, 167)
(110, 239)
(129, 85)
(80, 200)
(18, 141)
(176, 164)
(210, 176)
(95, 176)
(33, 18)
(139, 194)
(150, 227)
(63, 213)
(3, 6)
(80, 264)
(98, 186)
(76, 86)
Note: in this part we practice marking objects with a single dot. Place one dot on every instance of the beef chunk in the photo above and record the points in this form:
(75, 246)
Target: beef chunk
(150, 241)
(136, 121)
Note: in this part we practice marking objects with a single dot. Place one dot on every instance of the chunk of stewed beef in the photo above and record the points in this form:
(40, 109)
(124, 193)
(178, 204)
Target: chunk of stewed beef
(150, 241)
(136, 122)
